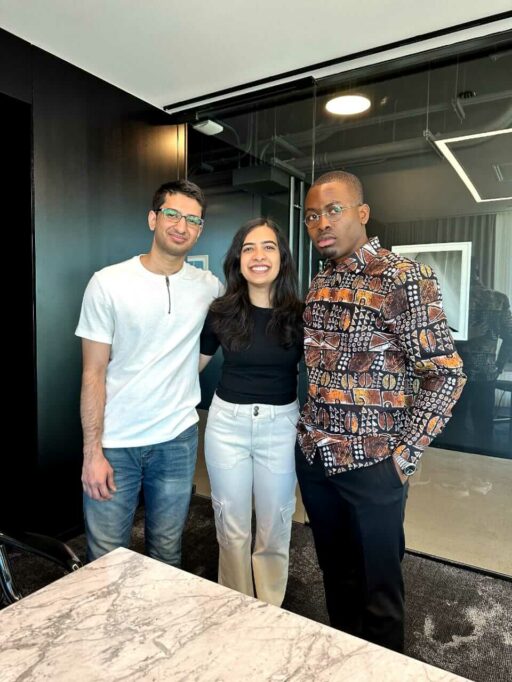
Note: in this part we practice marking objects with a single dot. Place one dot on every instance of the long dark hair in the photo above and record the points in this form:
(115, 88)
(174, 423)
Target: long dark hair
(231, 313)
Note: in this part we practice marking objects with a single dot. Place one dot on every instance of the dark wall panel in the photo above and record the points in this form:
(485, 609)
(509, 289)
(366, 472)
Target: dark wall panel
(19, 452)
(98, 155)
(15, 71)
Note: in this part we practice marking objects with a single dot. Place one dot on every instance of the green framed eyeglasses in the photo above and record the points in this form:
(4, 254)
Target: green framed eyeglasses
(174, 216)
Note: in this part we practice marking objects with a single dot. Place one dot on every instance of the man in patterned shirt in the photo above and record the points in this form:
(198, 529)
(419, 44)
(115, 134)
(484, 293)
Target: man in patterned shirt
(383, 377)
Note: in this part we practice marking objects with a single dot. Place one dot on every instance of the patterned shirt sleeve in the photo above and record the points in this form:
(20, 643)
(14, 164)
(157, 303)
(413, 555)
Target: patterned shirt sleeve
(413, 311)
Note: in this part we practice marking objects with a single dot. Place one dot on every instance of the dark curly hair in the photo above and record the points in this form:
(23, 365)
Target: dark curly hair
(231, 313)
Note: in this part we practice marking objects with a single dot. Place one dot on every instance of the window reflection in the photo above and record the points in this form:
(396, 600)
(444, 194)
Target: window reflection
(480, 419)
(272, 147)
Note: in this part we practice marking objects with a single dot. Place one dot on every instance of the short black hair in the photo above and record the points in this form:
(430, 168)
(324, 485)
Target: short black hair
(189, 189)
(346, 178)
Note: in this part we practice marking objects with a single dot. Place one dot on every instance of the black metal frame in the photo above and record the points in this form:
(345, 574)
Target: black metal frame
(32, 543)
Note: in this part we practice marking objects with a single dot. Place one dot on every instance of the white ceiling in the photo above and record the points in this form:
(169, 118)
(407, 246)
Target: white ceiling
(165, 51)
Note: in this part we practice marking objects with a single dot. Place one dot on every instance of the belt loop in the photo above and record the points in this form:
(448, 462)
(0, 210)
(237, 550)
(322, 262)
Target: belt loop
(235, 409)
(272, 411)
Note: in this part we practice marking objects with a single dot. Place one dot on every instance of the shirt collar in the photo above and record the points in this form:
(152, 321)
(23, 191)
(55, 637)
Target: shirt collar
(358, 260)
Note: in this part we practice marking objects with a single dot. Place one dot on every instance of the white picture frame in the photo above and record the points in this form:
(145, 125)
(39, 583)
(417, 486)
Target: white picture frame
(200, 262)
(451, 263)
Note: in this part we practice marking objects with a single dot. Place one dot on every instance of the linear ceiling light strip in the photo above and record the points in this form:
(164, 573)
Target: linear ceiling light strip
(450, 157)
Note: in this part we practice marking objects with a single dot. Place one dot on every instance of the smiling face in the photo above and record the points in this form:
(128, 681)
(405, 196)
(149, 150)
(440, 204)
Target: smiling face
(337, 235)
(175, 238)
(259, 258)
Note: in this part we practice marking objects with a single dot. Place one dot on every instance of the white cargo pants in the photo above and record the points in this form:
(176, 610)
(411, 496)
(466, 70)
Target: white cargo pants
(249, 449)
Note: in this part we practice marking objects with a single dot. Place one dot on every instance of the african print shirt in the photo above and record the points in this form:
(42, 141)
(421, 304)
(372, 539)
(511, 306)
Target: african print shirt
(383, 372)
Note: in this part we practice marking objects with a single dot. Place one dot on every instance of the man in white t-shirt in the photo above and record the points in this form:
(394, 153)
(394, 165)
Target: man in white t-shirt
(140, 324)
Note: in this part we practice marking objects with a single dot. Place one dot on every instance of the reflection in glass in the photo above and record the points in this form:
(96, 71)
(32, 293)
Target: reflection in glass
(477, 422)
(273, 146)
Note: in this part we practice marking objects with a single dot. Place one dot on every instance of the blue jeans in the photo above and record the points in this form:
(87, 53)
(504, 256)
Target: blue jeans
(165, 472)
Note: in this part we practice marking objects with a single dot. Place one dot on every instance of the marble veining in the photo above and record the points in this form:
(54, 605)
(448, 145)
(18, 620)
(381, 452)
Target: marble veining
(128, 617)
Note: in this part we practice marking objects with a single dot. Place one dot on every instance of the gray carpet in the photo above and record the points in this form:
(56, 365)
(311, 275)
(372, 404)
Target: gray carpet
(456, 619)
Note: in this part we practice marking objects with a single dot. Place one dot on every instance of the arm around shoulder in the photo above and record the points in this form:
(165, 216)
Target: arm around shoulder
(203, 361)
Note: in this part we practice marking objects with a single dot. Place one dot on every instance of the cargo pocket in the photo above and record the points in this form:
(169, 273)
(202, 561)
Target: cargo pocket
(218, 510)
(287, 512)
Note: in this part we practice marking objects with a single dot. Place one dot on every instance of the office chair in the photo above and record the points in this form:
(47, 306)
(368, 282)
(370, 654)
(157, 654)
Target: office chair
(32, 543)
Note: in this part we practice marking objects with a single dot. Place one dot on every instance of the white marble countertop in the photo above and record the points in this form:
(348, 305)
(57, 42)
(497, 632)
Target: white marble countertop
(128, 617)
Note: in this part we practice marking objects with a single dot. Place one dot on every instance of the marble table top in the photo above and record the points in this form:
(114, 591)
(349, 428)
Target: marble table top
(128, 617)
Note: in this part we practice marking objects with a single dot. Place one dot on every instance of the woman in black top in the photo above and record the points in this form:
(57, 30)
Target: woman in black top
(250, 434)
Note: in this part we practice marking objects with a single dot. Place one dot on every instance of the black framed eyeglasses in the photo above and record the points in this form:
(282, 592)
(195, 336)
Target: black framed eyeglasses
(333, 212)
(174, 216)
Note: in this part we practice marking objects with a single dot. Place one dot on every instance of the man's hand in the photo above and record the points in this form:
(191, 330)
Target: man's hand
(97, 476)
(399, 471)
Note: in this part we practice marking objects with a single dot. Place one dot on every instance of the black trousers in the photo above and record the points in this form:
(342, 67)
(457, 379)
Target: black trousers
(357, 523)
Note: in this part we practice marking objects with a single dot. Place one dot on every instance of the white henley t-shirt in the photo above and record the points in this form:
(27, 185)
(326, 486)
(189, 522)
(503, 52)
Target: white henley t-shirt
(152, 383)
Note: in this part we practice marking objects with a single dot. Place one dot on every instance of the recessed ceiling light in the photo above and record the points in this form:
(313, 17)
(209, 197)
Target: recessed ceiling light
(348, 104)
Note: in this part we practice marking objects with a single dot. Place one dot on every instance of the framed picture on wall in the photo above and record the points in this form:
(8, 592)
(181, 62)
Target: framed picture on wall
(451, 262)
(200, 262)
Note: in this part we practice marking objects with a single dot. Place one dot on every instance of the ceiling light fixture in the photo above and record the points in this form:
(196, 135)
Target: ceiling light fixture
(450, 157)
(208, 127)
(346, 105)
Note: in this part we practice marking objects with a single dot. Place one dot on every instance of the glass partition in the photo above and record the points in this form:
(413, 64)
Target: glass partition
(434, 153)
(250, 167)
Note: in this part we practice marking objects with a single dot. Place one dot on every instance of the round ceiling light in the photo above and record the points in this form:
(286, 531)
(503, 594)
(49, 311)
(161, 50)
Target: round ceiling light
(348, 104)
